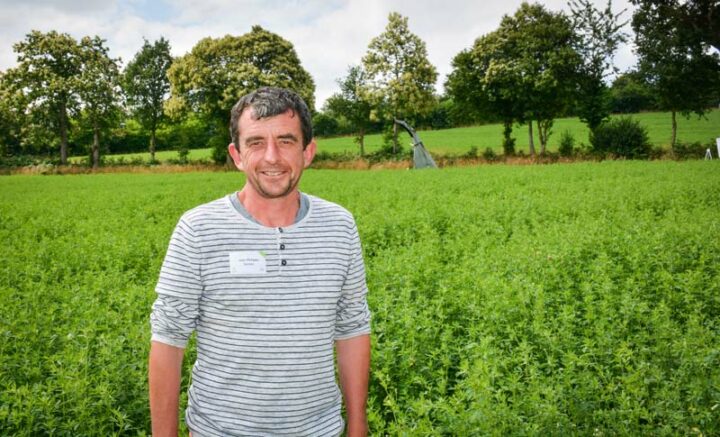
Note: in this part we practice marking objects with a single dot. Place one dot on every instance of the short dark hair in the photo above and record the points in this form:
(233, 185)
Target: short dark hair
(268, 102)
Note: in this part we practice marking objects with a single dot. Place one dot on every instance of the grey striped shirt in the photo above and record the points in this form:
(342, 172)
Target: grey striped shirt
(267, 305)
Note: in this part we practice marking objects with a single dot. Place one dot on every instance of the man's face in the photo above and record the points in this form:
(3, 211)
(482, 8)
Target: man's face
(271, 153)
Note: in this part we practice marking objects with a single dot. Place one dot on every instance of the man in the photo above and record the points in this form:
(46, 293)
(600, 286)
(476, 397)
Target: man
(270, 279)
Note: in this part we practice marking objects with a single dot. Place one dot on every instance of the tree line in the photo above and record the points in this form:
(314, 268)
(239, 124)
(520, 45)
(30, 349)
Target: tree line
(70, 96)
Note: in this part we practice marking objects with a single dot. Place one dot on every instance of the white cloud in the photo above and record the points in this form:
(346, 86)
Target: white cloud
(328, 35)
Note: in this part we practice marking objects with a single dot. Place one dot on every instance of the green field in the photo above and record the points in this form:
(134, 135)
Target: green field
(576, 299)
(459, 140)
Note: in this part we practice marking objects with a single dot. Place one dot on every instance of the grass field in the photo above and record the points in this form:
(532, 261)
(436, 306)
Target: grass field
(459, 140)
(576, 299)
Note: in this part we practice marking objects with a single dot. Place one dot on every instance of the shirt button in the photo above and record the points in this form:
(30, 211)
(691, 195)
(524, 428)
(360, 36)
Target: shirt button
(282, 247)
(284, 262)
(280, 229)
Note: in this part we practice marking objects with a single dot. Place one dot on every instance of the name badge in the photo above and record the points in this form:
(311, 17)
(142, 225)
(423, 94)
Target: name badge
(247, 263)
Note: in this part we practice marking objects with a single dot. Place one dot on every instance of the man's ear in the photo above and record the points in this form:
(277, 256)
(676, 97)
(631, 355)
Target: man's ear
(235, 155)
(309, 153)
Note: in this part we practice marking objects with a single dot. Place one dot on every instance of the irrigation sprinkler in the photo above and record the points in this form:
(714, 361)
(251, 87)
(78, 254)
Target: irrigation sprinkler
(421, 157)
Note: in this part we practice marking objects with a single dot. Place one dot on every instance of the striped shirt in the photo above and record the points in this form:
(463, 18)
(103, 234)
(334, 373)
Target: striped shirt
(267, 305)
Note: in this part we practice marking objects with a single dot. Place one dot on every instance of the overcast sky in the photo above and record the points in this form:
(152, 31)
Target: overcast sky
(328, 35)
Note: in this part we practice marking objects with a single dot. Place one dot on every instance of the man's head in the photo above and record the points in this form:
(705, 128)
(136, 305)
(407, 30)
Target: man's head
(272, 141)
(268, 102)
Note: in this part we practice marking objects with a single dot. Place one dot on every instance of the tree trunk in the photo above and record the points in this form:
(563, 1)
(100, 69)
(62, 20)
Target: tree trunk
(508, 141)
(543, 138)
(96, 148)
(152, 145)
(674, 130)
(63, 135)
(530, 138)
(361, 141)
(395, 139)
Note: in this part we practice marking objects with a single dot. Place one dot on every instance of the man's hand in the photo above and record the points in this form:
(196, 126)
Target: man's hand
(353, 356)
(164, 372)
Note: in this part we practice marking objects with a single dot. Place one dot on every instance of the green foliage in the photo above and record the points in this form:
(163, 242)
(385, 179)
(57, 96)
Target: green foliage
(694, 150)
(48, 72)
(567, 144)
(472, 153)
(630, 93)
(99, 90)
(473, 94)
(324, 125)
(400, 77)
(353, 103)
(524, 71)
(528, 300)
(489, 154)
(147, 86)
(684, 73)
(598, 35)
(622, 137)
(217, 72)
(11, 118)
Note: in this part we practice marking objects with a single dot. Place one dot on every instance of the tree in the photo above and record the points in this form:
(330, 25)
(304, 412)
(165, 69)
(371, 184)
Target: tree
(353, 103)
(630, 93)
(98, 89)
(469, 86)
(48, 70)
(675, 60)
(401, 77)
(701, 18)
(147, 86)
(525, 71)
(543, 62)
(598, 37)
(11, 117)
(217, 72)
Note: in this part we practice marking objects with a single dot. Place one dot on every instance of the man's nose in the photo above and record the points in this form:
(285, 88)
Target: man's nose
(272, 153)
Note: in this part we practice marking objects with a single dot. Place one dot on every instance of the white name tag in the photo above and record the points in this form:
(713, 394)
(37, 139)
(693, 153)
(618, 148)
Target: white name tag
(247, 263)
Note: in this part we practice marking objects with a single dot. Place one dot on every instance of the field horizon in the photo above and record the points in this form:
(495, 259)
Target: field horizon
(457, 141)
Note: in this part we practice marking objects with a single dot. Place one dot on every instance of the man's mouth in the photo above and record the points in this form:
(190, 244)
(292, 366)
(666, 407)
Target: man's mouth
(272, 172)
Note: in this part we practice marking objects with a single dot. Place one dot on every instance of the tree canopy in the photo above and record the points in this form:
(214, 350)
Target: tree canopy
(147, 86)
(400, 76)
(48, 73)
(353, 102)
(98, 89)
(675, 60)
(599, 34)
(525, 70)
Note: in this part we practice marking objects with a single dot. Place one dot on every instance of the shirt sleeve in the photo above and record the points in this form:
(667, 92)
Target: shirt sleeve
(353, 314)
(179, 288)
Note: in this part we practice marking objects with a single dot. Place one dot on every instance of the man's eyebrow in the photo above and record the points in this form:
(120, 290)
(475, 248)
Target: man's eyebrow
(251, 139)
(288, 136)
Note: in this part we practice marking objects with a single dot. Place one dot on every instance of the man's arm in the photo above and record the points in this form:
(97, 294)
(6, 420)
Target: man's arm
(164, 371)
(353, 356)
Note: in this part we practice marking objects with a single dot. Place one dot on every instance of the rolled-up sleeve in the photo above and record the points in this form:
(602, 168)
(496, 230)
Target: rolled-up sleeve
(179, 288)
(353, 314)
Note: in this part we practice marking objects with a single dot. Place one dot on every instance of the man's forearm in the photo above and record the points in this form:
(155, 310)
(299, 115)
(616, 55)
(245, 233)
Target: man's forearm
(164, 371)
(353, 356)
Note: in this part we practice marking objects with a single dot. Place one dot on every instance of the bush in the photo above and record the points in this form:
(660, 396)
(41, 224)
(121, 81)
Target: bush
(694, 150)
(621, 137)
(471, 154)
(219, 151)
(567, 144)
(489, 154)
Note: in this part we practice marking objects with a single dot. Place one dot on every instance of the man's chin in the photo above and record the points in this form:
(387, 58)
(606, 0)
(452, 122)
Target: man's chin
(278, 193)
